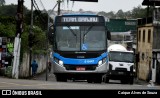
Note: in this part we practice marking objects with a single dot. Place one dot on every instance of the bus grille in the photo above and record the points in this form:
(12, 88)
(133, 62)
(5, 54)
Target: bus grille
(73, 67)
(121, 69)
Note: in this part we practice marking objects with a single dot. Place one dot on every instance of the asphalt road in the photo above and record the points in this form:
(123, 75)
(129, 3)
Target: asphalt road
(49, 82)
(39, 86)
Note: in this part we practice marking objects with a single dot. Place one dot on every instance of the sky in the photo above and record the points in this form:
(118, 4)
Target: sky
(101, 5)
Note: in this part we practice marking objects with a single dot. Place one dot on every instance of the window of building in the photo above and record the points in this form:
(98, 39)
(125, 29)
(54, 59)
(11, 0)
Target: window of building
(149, 35)
(142, 56)
(143, 35)
(139, 35)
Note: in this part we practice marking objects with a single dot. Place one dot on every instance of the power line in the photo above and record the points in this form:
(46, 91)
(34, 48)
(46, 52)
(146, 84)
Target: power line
(43, 6)
(36, 5)
(53, 9)
(72, 5)
(38, 11)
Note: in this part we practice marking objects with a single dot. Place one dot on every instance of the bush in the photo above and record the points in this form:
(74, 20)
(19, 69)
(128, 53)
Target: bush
(9, 71)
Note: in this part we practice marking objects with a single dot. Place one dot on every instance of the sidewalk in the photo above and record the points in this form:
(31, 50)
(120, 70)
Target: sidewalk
(142, 82)
(45, 76)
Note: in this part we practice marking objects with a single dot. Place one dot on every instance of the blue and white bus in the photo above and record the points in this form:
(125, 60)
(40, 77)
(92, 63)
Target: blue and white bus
(80, 47)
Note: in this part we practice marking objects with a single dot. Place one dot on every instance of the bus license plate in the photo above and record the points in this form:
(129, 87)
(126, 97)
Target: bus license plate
(80, 68)
(121, 73)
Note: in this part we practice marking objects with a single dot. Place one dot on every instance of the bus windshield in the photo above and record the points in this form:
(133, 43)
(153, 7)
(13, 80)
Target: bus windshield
(80, 38)
(121, 57)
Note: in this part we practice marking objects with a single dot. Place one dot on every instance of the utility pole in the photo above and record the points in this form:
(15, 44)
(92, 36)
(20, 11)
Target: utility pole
(48, 41)
(30, 38)
(59, 6)
(17, 41)
(47, 49)
(19, 18)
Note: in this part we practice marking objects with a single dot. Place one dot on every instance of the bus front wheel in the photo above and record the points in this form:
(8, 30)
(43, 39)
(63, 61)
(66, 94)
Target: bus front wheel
(60, 78)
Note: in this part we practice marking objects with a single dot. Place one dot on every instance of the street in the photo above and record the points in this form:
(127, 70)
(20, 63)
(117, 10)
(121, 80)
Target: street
(93, 43)
(39, 86)
(39, 82)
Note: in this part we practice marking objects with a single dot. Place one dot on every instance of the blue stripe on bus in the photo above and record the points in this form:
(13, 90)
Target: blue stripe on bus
(72, 61)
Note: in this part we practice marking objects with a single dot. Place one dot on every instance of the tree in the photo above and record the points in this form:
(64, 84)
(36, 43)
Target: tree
(128, 15)
(111, 14)
(2, 2)
(108, 15)
(139, 12)
(10, 10)
(120, 14)
(8, 27)
(39, 19)
(102, 13)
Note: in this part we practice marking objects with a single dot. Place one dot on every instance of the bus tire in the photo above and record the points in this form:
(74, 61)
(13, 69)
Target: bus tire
(131, 80)
(106, 80)
(60, 78)
(98, 80)
(89, 80)
(124, 81)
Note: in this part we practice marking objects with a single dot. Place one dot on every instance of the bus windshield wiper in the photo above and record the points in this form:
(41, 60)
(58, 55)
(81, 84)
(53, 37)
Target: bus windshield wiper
(72, 31)
(87, 32)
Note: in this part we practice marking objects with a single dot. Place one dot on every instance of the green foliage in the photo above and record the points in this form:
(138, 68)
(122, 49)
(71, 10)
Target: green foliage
(139, 12)
(8, 72)
(39, 52)
(39, 19)
(120, 14)
(7, 19)
(8, 27)
(2, 2)
(10, 10)
(136, 12)
(40, 39)
(7, 30)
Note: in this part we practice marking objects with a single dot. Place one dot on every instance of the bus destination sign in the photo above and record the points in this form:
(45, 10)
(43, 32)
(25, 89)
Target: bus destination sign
(79, 19)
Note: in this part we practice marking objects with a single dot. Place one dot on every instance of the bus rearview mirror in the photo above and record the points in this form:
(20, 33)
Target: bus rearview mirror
(108, 35)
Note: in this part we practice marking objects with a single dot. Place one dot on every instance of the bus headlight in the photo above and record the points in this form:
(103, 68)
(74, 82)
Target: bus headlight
(104, 60)
(100, 63)
(56, 60)
(60, 62)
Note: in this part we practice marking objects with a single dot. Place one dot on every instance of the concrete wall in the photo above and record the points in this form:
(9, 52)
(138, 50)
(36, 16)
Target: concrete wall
(156, 36)
(145, 51)
(24, 66)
